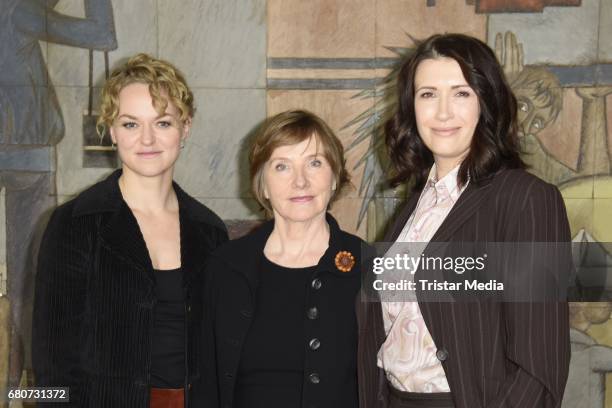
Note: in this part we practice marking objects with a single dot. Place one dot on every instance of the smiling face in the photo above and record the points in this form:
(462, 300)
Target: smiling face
(446, 110)
(148, 143)
(298, 181)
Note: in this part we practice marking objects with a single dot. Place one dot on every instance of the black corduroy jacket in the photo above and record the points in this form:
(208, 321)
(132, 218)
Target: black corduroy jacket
(95, 298)
(330, 365)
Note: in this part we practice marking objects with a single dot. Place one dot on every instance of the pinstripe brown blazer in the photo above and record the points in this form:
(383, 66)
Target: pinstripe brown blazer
(494, 354)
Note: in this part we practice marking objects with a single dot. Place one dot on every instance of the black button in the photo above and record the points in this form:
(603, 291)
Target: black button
(442, 354)
(316, 284)
(229, 376)
(246, 313)
(233, 342)
(314, 344)
(189, 309)
(312, 313)
(314, 378)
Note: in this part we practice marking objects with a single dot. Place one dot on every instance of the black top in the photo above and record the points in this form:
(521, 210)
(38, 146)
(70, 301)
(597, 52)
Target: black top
(271, 368)
(168, 351)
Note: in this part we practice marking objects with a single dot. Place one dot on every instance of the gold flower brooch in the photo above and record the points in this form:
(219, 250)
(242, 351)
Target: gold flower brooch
(344, 261)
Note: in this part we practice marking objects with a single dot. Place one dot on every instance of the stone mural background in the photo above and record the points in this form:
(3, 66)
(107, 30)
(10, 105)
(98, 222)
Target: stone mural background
(247, 59)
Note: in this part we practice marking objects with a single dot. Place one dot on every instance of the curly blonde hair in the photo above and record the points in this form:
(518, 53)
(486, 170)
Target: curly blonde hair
(165, 82)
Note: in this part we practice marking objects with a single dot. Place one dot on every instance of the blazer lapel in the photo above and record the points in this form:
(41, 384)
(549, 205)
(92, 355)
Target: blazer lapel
(122, 235)
(191, 257)
(402, 218)
(246, 254)
(194, 249)
(463, 209)
(467, 204)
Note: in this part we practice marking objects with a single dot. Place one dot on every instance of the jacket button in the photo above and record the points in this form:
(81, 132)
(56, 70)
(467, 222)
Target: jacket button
(312, 313)
(314, 378)
(442, 354)
(246, 313)
(316, 284)
(229, 376)
(314, 344)
(189, 386)
(233, 342)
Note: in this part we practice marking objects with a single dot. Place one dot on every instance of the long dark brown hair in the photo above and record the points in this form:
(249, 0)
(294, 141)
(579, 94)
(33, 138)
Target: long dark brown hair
(495, 144)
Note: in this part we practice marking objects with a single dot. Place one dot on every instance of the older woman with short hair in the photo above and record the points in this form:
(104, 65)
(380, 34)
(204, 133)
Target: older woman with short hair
(282, 299)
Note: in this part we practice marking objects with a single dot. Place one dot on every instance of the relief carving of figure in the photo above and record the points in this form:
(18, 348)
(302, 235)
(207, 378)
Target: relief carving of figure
(31, 124)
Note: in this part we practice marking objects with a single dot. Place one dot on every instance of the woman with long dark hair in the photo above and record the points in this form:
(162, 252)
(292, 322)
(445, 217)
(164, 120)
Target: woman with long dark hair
(454, 136)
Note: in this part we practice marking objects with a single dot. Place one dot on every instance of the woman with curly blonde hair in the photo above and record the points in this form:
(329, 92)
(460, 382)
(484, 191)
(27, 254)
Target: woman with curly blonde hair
(118, 288)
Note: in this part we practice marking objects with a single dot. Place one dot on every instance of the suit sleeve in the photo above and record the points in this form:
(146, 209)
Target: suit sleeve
(60, 306)
(537, 331)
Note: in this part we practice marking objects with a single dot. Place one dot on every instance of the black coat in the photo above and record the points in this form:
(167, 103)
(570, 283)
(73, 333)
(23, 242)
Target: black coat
(330, 371)
(93, 310)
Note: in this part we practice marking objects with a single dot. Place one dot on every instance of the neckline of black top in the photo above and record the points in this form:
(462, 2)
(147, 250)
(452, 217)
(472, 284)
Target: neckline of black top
(273, 265)
(167, 270)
